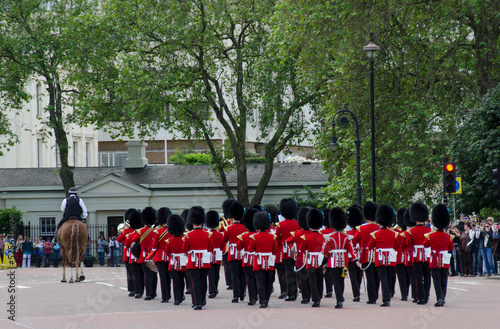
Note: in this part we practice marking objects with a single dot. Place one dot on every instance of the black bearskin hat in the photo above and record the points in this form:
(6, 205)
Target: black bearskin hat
(407, 219)
(212, 219)
(370, 210)
(184, 214)
(326, 221)
(176, 225)
(257, 206)
(236, 211)
(355, 216)
(261, 220)
(248, 219)
(385, 216)
(440, 217)
(419, 212)
(196, 215)
(314, 219)
(338, 219)
(288, 208)
(134, 218)
(273, 212)
(226, 205)
(162, 215)
(401, 218)
(148, 216)
(302, 217)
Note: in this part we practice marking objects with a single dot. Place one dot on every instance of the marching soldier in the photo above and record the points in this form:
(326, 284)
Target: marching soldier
(279, 268)
(132, 223)
(326, 231)
(384, 241)
(337, 249)
(402, 274)
(177, 259)
(212, 223)
(288, 209)
(222, 228)
(247, 261)
(199, 248)
(265, 247)
(409, 255)
(419, 214)
(160, 256)
(354, 219)
(441, 244)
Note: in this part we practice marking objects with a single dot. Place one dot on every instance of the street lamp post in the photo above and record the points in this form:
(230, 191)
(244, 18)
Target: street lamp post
(342, 118)
(371, 50)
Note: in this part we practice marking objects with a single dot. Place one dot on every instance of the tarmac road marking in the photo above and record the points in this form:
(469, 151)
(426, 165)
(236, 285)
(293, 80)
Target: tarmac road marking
(471, 283)
(105, 284)
(459, 289)
(123, 288)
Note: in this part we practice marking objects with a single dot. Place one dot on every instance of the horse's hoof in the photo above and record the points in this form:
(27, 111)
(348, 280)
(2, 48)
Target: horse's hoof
(63, 280)
(82, 277)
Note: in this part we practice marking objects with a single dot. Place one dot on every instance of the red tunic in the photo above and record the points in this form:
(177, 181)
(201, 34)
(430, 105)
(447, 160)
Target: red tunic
(231, 238)
(363, 239)
(147, 236)
(122, 238)
(265, 246)
(218, 242)
(416, 243)
(283, 231)
(173, 249)
(351, 234)
(160, 244)
(243, 243)
(312, 247)
(199, 248)
(294, 242)
(441, 245)
(384, 241)
(339, 249)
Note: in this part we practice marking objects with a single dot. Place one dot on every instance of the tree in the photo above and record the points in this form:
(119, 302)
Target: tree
(37, 39)
(200, 68)
(431, 63)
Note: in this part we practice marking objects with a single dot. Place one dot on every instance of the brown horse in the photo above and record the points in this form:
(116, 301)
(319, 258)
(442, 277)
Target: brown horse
(72, 238)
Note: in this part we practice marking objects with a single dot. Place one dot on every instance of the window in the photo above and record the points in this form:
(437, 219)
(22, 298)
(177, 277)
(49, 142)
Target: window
(39, 150)
(112, 159)
(87, 154)
(38, 99)
(75, 153)
(47, 226)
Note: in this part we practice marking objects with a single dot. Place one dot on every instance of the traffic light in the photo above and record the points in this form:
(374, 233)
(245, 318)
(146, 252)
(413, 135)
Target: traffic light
(449, 177)
(496, 186)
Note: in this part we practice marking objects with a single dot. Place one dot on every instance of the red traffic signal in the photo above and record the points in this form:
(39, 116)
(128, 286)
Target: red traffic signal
(449, 177)
(449, 167)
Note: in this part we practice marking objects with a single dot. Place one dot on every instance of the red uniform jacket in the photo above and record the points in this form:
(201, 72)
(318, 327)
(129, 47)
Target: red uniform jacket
(122, 238)
(351, 234)
(339, 250)
(218, 242)
(363, 239)
(283, 231)
(173, 249)
(385, 243)
(265, 246)
(441, 245)
(402, 252)
(312, 247)
(243, 243)
(160, 244)
(416, 243)
(231, 238)
(199, 248)
(294, 242)
(148, 237)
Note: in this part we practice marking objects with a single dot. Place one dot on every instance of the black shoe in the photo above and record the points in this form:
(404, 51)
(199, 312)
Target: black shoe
(138, 296)
(164, 300)
(440, 303)
(305, 301)
(204, 303)
(235, 300)
(242, 297)
(328, 295)
(415, 300)
(339, 305)
(356, 299)
(212, 295)
(252, 302)
(131, 294)
(371, 302)
(188, 292)
(282, 296)
(229, 287)
(404, 299)
(197, 307)
(315, 304)
(290, 298)
(422, 302)
(148, 298)
(177, 302)
(385, 304)
(263, 305)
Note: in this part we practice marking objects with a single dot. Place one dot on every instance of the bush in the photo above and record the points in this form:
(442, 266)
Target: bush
(10, 219)
(181, 158)
(256, 160)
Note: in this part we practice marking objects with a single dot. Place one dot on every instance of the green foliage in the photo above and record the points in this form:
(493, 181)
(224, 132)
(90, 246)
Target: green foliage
(307, 198)
(182, 158)
(489, 212)
(9, 220)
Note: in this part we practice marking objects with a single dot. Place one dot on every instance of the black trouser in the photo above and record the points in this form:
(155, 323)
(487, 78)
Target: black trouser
(198, 280)
(238, 278)
(402, 279)
(386, 275)
(251, 284)
(328, 281)
(290, 277)
(356, 275)
(213, 278)
(440, 279)
(280, 270)
(227, 271)
(151, 281)
(164, 280)
(372, 282)
(130, 277)
(413, 281)
(178, 284)
(338, 283)
(315, 278)
(422, 277)
(304, 284)
(138, 278)
(264, 281)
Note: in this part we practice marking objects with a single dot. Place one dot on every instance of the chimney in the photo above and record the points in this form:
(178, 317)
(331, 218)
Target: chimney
(136, 159)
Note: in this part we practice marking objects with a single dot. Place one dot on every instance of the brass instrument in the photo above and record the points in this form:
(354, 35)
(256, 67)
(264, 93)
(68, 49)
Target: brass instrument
(123, 226)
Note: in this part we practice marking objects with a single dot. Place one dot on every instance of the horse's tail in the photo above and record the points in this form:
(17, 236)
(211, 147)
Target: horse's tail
(73, 250)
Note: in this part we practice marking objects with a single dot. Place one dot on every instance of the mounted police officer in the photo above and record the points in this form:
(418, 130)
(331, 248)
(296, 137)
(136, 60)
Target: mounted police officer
(72, 206)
